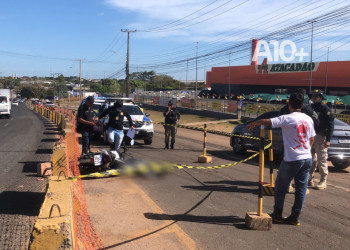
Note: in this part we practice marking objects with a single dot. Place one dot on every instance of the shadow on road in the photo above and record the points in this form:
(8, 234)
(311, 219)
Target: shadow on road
(48, 151)
(217, 220)
(50, 140)
(30, 166)
(24, 203)
(336, 170)
(227, 186)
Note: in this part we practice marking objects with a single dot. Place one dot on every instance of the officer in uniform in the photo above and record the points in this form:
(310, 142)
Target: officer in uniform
(171, 116)
(324, 132)
(115, 124)
(86, 123)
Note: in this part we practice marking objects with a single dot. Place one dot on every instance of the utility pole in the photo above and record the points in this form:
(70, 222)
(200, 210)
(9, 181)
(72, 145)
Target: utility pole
(229, 76)
(196, 71)
(80, 92)
(187, 71)
(312, 40)
(325, 91)
(127, 63)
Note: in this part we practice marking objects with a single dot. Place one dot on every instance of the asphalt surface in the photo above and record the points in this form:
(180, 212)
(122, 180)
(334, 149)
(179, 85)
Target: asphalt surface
(210, 205)
(26, 139)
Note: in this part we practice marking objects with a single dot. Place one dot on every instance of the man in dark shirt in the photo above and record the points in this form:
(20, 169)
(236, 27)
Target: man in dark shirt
(324, 132)
(86, 123)
(171, 116)
(115, 131)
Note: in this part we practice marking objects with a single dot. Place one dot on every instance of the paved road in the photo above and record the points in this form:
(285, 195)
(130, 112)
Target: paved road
(25, 140)
(210, 205)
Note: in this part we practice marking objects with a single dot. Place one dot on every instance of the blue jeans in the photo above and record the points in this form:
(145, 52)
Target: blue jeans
(86, 139)
(115, 136)
(299, 170)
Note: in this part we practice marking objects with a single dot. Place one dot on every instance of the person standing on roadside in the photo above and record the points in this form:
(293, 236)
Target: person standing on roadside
(306, 109)
(324, 132)
(115, 131)
(171, 117)
(86, 123)
(298, 136)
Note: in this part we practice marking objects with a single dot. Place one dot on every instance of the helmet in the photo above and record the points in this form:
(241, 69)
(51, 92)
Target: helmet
(317, 92)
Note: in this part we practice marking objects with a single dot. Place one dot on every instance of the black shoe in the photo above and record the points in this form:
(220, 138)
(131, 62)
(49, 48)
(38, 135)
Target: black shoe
(166, 146)
(293, 219)
(172, 146)
(277, 216)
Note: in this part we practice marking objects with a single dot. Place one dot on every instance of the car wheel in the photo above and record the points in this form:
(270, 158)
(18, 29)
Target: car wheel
(148, 141)
(341, 164)
(238, 146)
(8, 116)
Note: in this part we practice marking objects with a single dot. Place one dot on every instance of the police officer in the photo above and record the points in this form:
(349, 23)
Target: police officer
(115, 131)
(324, 132)
(171, 116)
(86, 123)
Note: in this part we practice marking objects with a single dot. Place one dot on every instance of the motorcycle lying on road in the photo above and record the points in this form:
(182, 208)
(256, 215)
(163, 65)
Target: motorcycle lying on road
(104, 160)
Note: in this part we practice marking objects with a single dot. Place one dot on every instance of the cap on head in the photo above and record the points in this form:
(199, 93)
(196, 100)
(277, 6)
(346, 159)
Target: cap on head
(90, 99)
(317, 92)
(170, 103)
(118, 104)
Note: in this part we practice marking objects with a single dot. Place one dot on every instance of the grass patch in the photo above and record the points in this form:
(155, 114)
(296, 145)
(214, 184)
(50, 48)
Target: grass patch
(225, 126)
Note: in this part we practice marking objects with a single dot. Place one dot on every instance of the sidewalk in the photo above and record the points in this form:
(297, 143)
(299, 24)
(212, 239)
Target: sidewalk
(125, 224)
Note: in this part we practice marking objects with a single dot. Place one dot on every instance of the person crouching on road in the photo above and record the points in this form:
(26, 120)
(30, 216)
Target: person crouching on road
(171, 117)
(86, 123)
(324, 132)
(115, 131)
(298, 136)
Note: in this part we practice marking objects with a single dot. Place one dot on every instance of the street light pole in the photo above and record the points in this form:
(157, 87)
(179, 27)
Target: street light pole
(325, 91)
(312, 39)
(196, 72)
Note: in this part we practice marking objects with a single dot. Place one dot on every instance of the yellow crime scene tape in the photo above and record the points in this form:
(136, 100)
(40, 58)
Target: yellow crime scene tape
(208, 131)
(142, 169)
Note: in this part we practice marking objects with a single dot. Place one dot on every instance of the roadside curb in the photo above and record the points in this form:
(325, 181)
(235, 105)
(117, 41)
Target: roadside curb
(63, 222)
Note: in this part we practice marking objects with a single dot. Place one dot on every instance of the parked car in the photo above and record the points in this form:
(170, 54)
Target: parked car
(50, 105)
(338, 152)
(15, 102)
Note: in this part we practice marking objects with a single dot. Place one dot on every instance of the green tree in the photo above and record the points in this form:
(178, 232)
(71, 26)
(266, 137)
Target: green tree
(165, 82)
(97, 87)
(27, 92)
(145, 76)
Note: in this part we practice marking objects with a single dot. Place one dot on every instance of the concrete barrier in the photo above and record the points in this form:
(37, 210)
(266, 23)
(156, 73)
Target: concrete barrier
(53, 228)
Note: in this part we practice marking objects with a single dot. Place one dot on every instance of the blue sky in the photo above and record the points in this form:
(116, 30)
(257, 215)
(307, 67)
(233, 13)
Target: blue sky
(40, 37)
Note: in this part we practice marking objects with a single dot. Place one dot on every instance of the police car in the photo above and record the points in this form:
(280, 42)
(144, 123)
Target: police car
(144, 129)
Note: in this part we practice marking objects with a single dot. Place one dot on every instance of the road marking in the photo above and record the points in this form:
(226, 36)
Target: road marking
(11, 119)
(6, 124)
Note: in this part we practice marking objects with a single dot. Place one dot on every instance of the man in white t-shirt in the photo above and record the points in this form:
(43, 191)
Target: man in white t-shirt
(298, 136)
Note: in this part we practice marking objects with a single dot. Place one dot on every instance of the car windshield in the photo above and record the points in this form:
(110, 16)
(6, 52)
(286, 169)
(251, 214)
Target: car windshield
(133, 110)
(339, 123)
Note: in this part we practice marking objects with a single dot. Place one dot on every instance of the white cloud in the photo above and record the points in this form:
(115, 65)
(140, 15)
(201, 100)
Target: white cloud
(251, 19)
(101, 14)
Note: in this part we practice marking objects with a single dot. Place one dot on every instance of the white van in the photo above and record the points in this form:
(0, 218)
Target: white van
(5, 106)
